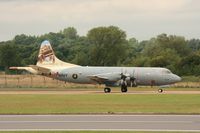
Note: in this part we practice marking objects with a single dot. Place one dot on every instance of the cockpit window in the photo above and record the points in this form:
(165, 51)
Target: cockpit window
(166, 71)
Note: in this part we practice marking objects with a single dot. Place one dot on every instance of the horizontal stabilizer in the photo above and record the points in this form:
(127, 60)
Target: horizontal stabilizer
(40, 69)
(32, 69)
(29, 69)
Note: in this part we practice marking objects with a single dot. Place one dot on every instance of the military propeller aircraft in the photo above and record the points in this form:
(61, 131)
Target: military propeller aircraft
(49, 65)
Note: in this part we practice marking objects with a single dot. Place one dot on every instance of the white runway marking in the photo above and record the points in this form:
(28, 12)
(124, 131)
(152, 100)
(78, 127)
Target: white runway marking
(96, 121)
(151, 130)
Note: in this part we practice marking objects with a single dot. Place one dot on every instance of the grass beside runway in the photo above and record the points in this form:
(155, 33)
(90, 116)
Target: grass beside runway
(100, 103)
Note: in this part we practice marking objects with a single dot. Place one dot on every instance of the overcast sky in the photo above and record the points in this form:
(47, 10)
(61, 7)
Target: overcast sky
(141, 19)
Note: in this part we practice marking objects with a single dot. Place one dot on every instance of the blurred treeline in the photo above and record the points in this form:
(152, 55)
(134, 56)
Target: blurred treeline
(106, 46)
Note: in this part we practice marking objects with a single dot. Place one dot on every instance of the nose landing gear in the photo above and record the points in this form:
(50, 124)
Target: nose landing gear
(107, 90)
(160, 90)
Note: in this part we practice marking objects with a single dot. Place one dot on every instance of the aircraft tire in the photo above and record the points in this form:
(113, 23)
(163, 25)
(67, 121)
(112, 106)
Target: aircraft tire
(160, 90)
(124, 89)
(107, 90)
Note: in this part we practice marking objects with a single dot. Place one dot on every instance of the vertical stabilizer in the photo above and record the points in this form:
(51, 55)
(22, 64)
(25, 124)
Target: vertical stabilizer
(47, 57)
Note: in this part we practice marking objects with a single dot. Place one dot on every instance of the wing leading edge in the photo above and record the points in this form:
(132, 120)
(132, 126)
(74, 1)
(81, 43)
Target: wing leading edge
(105, 78)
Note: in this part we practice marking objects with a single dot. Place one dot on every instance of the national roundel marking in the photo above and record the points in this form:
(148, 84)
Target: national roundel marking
(74, 76)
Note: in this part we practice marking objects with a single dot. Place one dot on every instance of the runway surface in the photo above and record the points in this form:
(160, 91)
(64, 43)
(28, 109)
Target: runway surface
(65, 92)
(100, 122)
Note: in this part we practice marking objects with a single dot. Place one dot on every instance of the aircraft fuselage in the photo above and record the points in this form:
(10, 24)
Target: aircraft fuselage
(143, 75)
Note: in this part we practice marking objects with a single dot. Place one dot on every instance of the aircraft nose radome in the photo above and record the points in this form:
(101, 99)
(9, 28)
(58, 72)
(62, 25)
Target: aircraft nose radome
(177, 78)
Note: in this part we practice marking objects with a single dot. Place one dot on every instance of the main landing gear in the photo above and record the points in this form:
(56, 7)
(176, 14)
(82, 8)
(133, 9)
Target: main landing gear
(124, 88)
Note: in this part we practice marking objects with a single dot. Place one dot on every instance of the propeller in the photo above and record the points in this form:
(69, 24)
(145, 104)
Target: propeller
(125, 76)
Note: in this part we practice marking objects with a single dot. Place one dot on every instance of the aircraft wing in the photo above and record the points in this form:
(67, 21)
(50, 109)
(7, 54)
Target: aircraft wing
(105, 77)
(98, 79)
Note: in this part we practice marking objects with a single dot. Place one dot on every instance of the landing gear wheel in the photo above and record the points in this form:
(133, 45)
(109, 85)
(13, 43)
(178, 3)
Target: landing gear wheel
(160, 90)
(124, 89)
(107, 90)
